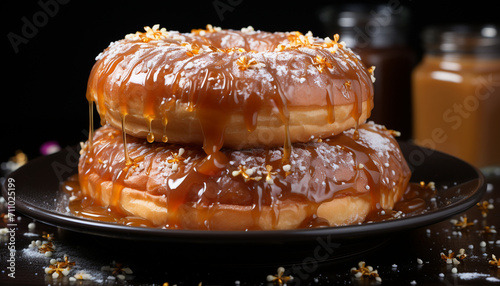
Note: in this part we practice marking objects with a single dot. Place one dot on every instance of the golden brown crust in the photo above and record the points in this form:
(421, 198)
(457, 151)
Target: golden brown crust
(338, 212)
(339, 180)
(245, 83)
(183, 128)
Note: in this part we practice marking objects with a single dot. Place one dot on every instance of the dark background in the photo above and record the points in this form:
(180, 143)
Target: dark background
(44, 82)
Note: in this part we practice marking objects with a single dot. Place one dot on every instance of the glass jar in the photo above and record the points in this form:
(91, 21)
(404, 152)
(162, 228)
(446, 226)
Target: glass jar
(456, 93)
(378, 34)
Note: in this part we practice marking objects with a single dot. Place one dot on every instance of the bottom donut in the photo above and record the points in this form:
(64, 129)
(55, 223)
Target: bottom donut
(330, 182)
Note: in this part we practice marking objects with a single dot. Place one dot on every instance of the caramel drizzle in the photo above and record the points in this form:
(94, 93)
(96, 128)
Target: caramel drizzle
(323, 60)
(280, 100)
(91, 123)
(210, 117)
(164, 137)
(128, 162)
(203, 180)
(330, 93)
(151, 136)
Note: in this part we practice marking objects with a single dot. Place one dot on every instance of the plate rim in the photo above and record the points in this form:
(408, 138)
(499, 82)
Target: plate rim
(106, 229)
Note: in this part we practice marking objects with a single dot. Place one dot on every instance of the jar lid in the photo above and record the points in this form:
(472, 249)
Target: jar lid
(362, 25)
(463, 39)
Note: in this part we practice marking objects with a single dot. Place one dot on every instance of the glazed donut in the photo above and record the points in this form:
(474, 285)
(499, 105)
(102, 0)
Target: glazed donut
(330, 182)
(229, 88)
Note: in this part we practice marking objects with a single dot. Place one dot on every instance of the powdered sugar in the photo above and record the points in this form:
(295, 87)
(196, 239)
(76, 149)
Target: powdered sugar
(471, 275)
(370, 138)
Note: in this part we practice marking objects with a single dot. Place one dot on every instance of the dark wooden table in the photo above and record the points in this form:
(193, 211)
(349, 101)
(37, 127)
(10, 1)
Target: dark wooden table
(405, 258)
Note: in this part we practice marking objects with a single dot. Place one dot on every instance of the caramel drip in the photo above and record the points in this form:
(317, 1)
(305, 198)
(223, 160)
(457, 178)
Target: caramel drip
(416, 200)
(198, 180)
(97, 82)
(165, 107)
(287, 146)
(330, 106)
(364, 165)
(280, 101)
(128, 162)
(329, 90)
(206, 79)
(151, 136)
(203, 76)
(250, 113)
(361, 86)
(91, 123)
(114, 203)
(164, 137)
(212, 122)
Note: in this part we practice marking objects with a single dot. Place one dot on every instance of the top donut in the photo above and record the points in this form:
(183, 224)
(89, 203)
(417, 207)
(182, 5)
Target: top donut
(229, 88)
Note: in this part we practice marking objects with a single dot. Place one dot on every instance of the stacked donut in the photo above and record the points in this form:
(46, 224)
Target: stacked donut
(237, 130)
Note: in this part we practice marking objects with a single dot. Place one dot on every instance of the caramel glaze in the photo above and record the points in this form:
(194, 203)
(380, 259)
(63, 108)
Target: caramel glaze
(216, 73)
(352, 163)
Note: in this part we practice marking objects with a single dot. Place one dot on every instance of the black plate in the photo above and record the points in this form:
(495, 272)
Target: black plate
(459, 186)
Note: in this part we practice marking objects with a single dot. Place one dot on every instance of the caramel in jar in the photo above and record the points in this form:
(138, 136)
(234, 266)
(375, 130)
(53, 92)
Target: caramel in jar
(456, 93)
